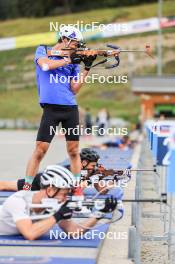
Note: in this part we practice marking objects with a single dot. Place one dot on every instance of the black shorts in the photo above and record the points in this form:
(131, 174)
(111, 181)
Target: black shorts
(35, 183)
(51, 118)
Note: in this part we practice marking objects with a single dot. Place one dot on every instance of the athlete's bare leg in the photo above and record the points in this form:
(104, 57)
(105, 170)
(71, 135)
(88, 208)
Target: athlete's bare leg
(73, 152)
(37, 156)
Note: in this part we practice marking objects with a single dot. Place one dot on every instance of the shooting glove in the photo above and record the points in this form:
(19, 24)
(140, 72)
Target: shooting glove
(88, 61)
(110, 205)
(75, 58)
(64, 213)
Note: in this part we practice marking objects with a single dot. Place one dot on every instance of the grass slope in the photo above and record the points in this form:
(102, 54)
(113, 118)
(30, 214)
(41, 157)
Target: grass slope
(23, 103)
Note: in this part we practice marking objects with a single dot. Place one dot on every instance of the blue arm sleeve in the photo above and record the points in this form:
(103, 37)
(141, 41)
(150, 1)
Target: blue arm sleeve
(40, 53)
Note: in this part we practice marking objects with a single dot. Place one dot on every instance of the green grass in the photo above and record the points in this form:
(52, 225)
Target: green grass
(24, 103)
(15, 66)
(20, 104)
(37, 25)
(114, 97)
(167, 69)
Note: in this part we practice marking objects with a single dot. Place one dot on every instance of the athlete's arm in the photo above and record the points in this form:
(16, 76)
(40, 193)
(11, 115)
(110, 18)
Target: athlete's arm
(76, 85)
(80, 228)
(31, 230)
(73, 227)
(8, 186)
(46, 64)
(88, 61)
(101, 189)
(98, 183)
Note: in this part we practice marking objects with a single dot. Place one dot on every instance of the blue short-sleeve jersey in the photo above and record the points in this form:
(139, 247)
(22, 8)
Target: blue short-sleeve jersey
(54, 86)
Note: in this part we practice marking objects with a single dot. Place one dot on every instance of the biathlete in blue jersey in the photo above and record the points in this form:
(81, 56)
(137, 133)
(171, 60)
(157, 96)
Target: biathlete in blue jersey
(57, 98)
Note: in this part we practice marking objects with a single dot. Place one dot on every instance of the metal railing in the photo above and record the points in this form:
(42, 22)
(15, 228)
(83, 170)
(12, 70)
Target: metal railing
(166, 212)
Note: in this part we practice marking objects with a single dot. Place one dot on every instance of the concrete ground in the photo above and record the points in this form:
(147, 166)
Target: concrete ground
(16, 148)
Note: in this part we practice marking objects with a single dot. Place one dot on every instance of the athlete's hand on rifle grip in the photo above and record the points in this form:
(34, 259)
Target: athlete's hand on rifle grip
(88, 61)
(64, 213)
(75, 58)
(110, 205)
(101, 168)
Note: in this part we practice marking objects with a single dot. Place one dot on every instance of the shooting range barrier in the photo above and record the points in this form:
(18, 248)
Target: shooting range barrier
(158, 144)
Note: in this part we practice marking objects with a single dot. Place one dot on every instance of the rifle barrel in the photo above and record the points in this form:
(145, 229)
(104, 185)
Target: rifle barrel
(130, 50)
(149, 170)
(163, 200)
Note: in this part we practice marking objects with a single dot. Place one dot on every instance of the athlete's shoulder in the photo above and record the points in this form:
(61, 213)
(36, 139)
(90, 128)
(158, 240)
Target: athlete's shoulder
(19, 194)
(41, 49)
(14, 200)
(41, 52)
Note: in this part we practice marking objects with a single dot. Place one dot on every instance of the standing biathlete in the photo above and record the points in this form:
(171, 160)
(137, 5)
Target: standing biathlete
(57, 98)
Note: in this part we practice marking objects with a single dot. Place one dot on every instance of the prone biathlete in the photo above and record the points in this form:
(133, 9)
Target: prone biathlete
(58, 83)
(89, 165)
(56, 183)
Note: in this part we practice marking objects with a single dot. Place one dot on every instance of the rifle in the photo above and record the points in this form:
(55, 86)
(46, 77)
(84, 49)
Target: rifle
(108, 172)
(84, 51)
(83, 207)
(119, 174)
